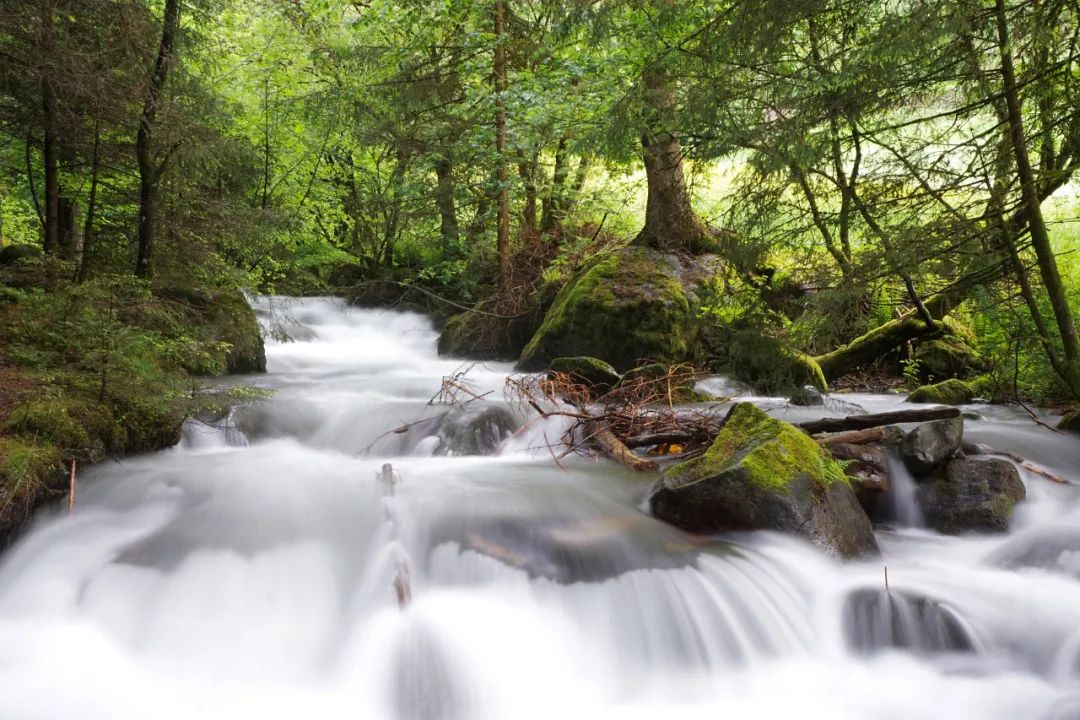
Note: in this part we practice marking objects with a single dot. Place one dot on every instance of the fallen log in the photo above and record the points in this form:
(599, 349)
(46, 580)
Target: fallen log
(854, 437)
(601, 437)
(862, 422)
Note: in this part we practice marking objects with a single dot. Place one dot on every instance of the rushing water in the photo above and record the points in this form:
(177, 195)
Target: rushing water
(273, 569)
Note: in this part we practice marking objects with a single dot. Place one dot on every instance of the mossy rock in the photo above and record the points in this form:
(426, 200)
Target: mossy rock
(587, 370)
(224, 317)
(745, 351)
(29, 474)
(478, 335)
(764, 474)
(1070, 422)
(949, 392)
(631, 304)
(83, 430)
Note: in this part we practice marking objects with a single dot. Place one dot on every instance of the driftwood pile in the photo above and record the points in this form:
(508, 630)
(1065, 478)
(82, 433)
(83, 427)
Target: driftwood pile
(644, 414)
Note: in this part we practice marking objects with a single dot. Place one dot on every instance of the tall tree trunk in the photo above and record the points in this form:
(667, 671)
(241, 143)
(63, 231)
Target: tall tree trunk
(670, 222)
(556, 197)
(266, 144)
(444, 198)
(527, 173)
(50, 149)
(91, 208)
(500, 143)
(1040, 237)
(149, 171)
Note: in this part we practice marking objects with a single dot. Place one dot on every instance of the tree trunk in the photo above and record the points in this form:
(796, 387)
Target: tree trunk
(500, 143)
(50, 150)
(670, 222)
(556, 197)
(91, 209)
(149, 171)
(444, 198)
(1040, 238)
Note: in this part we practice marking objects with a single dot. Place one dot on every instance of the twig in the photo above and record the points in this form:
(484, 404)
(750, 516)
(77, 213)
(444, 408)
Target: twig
(71, 489)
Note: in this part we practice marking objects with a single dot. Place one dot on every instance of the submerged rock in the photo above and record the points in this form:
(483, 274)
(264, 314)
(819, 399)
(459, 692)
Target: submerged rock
(950, 392)
(475, 430)
(762, 473)
(1055, 549)
(1070, 422)
(931, 444)
(971, 495)
(629, 304)
(480, 335)
(807, 396)
(589, 371)
(883, 619)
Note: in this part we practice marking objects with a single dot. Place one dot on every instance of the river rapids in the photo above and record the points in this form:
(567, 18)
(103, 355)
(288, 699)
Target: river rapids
(270, 568)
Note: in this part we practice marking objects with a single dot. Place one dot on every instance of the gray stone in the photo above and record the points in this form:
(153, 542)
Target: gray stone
(971, 495)
(807, 396)
(931, 444)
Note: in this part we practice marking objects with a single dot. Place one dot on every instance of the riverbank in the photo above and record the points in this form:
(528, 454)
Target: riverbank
(103, 369)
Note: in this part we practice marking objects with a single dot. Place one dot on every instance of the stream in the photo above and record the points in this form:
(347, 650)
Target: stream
(270, 567)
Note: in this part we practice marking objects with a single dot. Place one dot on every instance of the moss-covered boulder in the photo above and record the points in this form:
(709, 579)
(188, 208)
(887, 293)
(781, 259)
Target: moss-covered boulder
(224, 317)
(949, 392)
(971, 495)
(588, 371)
(950, 355)
(483, 334)
(1070, 422)
(764, 474)
(745, 349)
(631, 304)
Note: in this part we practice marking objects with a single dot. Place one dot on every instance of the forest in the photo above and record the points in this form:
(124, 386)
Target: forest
(851, 194)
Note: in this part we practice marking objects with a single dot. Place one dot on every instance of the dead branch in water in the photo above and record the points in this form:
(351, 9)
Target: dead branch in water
(854, 437)
(71, 488)
(862, 422)
(637, 413)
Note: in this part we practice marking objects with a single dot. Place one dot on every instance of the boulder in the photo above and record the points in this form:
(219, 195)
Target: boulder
(478, 335)
(886, 619)
(475, 430)
(971, 495)
(867, 467)
(952, 355)
(807, 396)
(1054, 548)
(12, 254)
(633, 303)
(1070, 422)
(950, 392)
(764, 474)
(931, 444)
(589, 371)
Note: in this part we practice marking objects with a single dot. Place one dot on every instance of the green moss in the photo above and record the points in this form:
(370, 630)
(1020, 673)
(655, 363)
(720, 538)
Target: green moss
(771, 452)
(626, 305)
(590, 370)
(25, 470)
(950, 392)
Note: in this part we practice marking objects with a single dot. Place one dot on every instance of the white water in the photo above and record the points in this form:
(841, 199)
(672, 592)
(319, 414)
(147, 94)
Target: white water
(252, 576)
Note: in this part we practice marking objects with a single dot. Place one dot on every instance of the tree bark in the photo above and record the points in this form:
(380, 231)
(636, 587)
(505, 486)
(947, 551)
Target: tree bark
(444, 198)
(503, 240)
(50, 151)
(1040, 237)
(862, 422)
(91, 209)
(556, 197)
(670, 222)
(150, 171)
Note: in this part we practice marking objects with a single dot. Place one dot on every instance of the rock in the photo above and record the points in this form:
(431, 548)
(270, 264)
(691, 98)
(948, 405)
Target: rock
(1070, 422)
(590, 371)
(473, 334)
(1055, 549)
(651, 371)
(931, 444)
(950, 392)
(950, 356)
(762, 473)
(12, 254)
(807, 396)
(633, 303)
(475, 430)
(867, 467)
(971, 495)
(884, 619)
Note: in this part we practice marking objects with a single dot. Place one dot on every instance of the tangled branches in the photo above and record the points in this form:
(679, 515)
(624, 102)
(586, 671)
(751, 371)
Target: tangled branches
(640, 412)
